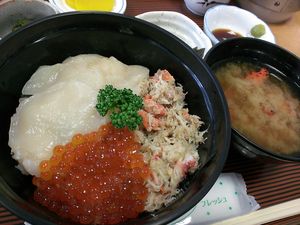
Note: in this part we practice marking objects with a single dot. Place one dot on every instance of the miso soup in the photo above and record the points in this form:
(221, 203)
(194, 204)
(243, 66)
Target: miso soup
(262, 107)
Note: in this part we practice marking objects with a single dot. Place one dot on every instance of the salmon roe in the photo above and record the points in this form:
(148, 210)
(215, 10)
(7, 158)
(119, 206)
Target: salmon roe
(97, 178)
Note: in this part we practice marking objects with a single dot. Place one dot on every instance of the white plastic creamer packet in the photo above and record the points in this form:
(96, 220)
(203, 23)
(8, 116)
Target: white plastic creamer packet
(226, 199)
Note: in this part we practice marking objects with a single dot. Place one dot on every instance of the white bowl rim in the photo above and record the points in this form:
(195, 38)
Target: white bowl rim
(46, 3)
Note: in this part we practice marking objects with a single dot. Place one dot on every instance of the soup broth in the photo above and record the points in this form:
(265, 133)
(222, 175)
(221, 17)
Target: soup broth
(262, 107)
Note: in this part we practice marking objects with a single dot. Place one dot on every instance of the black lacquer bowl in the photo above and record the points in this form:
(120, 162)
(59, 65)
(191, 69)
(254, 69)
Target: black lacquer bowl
(132, 41)
(279, 61)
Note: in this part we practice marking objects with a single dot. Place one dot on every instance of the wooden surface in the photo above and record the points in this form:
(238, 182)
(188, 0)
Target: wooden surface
(288, 33)
(269, 184)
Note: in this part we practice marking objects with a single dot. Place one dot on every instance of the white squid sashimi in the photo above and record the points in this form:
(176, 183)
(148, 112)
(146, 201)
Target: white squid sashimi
(94, 70)
(50, 118)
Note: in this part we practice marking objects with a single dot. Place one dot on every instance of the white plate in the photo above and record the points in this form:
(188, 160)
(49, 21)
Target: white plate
(235, 19)
(61, 5)
(179, 25)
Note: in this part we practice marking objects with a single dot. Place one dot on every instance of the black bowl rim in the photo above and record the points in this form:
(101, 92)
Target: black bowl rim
(236, 133)
(35, 219)
(249, 39)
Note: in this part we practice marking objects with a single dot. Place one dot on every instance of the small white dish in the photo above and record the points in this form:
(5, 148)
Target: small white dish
(179, 25)
(62, 6)
(233, 18)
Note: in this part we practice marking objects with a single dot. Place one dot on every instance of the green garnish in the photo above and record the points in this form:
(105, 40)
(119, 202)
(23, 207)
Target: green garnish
(20, 23)
(123, 106)
(258, 30)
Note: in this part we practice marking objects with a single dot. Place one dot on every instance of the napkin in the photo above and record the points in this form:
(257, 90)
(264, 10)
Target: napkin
(226, 199)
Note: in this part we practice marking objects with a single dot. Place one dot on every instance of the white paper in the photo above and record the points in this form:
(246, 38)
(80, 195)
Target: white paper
(226, 199)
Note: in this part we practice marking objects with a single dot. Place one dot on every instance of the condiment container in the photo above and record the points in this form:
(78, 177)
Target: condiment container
(116, 6)
(200, 7)
(235, 19)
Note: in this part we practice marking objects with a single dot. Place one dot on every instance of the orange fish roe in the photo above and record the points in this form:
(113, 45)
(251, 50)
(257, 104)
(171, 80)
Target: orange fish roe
(97, 178)
(258, 76)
